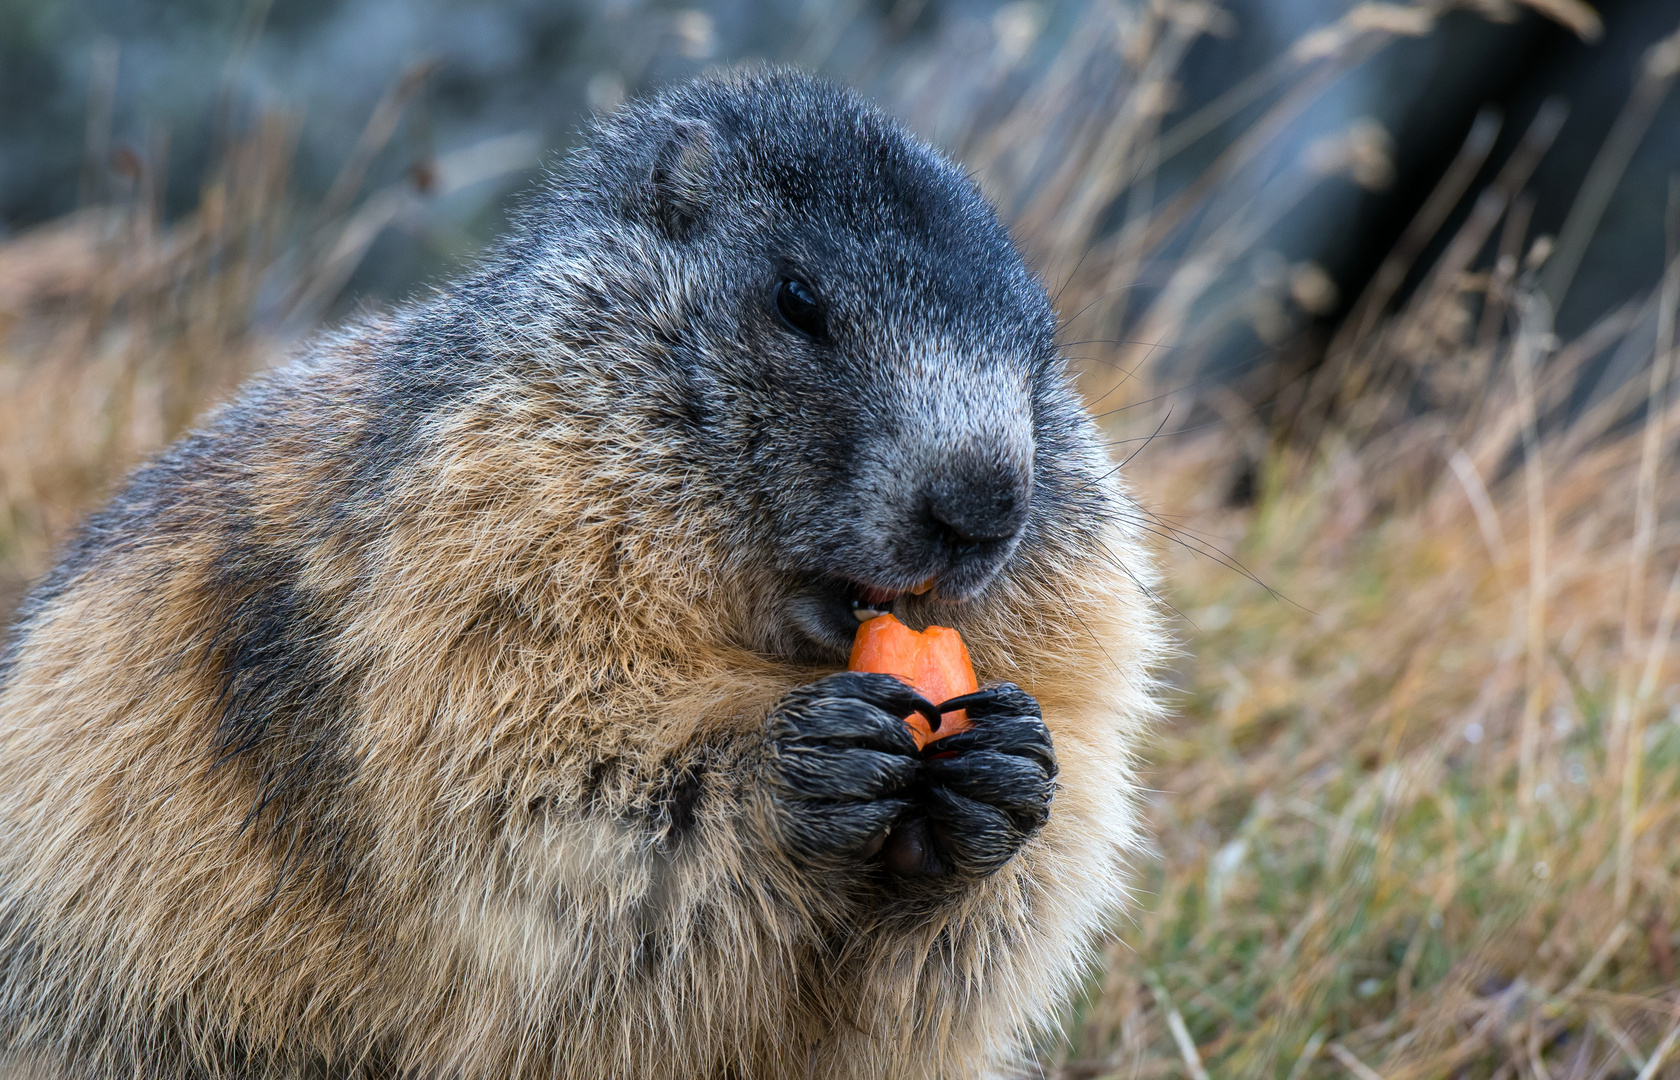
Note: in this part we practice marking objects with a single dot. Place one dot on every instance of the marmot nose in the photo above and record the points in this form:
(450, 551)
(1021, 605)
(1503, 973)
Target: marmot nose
(977, 511)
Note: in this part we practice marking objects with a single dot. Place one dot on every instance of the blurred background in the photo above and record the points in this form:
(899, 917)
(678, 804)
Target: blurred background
(1376, 301)
(163, 83)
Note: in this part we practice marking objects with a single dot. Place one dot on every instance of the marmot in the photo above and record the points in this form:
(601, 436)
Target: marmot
(463, 700)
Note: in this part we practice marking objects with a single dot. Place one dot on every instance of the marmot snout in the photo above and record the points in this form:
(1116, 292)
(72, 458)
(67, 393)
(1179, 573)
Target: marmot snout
(461, 700)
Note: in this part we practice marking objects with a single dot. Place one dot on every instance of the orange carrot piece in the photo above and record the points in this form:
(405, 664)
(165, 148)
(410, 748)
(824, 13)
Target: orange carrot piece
(888, 647)
(946, 671)
(934, 662)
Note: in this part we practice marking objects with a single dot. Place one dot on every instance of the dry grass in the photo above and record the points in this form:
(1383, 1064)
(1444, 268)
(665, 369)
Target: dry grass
(1420, 812)
(116, 330)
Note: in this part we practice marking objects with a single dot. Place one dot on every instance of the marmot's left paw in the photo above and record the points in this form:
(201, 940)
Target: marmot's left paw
(983, 791)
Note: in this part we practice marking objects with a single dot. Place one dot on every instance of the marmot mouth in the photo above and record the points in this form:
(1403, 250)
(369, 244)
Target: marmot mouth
(829, 611)
(872, 601)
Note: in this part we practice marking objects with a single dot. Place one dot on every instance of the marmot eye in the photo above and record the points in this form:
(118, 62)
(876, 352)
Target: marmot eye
(798, 304)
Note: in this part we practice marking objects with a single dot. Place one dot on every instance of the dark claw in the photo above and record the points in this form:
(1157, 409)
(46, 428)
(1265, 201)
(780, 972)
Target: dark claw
(927, 709)
(1004, 699)
(980, 699)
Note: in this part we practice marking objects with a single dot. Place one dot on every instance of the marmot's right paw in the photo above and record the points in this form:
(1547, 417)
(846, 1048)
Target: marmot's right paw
(842, 759)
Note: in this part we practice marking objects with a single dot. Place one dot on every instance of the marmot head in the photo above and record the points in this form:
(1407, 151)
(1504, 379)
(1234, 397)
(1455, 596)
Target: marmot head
(841, 332)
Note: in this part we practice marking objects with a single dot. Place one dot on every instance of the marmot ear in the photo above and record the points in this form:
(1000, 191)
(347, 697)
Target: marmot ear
(683, 178)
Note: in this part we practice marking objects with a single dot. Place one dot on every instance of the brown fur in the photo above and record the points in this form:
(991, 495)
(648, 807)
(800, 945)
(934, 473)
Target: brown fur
(475, 869)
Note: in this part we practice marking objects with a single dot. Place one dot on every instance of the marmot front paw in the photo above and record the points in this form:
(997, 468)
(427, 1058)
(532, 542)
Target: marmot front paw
(852, 782)
(844, 761)
(981, 792)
